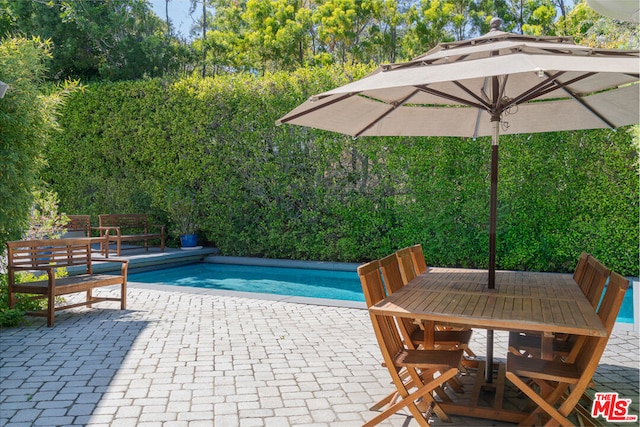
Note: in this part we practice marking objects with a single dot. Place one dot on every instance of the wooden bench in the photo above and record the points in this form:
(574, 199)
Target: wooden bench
(118, 228)
(45, 257)
(78, 226)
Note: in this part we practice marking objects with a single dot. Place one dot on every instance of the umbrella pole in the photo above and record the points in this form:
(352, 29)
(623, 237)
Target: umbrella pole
(493, 205)
(492, 238)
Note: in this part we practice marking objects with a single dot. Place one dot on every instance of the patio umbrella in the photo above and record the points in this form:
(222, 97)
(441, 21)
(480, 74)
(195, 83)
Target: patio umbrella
(496, 83)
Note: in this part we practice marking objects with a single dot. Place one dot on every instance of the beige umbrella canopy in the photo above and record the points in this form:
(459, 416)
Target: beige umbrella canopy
(497, 83)
(454, 89)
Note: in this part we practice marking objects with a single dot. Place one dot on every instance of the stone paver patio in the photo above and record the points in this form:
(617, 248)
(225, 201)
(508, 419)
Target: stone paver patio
(185, 357)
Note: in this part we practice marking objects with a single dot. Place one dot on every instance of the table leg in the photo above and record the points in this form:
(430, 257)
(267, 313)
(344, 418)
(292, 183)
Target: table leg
(429, 334)
(546, 346)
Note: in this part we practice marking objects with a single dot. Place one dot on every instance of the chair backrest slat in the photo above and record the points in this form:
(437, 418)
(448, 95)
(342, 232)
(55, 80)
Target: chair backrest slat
(371, 282)
(391, 273)
(419, 262)
(582, 263)
(405, 260)
(593, 279)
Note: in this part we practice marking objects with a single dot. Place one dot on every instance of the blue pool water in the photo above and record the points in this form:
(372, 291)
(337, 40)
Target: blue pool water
(329, 284)
(340, 285)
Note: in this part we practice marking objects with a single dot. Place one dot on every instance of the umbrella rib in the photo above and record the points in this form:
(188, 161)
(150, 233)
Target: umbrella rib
(552, 84)
(548, 85)
(462, 101)
(473, 94)
(555, 85)
(386, 113)
(581, 101)
(318, 107)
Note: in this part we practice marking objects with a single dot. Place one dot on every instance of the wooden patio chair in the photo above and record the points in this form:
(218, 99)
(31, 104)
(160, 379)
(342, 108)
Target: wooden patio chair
(412, 332)
(419, 263)
(405, 261)
(374, 292)
(561, 385)
(592, 276)
(582, 263)
(421, 365)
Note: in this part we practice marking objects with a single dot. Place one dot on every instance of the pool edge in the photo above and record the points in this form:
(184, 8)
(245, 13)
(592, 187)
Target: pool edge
(286, 263)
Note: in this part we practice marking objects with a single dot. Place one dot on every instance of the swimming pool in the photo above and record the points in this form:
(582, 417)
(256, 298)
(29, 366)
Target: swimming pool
(300, 282)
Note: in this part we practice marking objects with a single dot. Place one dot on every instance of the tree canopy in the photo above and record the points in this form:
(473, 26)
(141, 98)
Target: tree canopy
(125, 40)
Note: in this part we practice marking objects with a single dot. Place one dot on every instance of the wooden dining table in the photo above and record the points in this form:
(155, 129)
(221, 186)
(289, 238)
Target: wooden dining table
(543, 303)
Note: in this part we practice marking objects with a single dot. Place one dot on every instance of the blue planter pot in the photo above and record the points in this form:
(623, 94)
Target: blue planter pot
(189, 240)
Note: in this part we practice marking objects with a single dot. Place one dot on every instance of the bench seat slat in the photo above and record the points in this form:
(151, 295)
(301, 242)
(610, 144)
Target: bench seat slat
(70, 284)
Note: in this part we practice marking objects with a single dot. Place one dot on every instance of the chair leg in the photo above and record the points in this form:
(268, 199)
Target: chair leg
(456, 385)
(410, 401)
(543, 404)
(391, 397)
(469, 352)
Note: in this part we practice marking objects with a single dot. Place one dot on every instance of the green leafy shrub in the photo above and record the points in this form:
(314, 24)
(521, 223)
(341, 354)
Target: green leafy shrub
(24, 302)
(28, 116)
(299, 193)
(44, 222)
(14, 316)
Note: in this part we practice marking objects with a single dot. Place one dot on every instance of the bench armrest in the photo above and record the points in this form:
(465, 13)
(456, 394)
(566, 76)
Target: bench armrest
(125, 264)
(43, 268)
(51, 274)
(106, 230)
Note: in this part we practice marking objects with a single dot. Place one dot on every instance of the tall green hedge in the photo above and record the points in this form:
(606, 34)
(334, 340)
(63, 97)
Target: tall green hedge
(292, 192)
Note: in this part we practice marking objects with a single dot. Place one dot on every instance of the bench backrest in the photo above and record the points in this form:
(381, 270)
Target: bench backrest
(124, 221)
(49, 253)
(78, 226)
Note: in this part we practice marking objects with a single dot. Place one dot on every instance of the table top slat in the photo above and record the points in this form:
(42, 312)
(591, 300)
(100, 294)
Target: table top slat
(542, 302)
